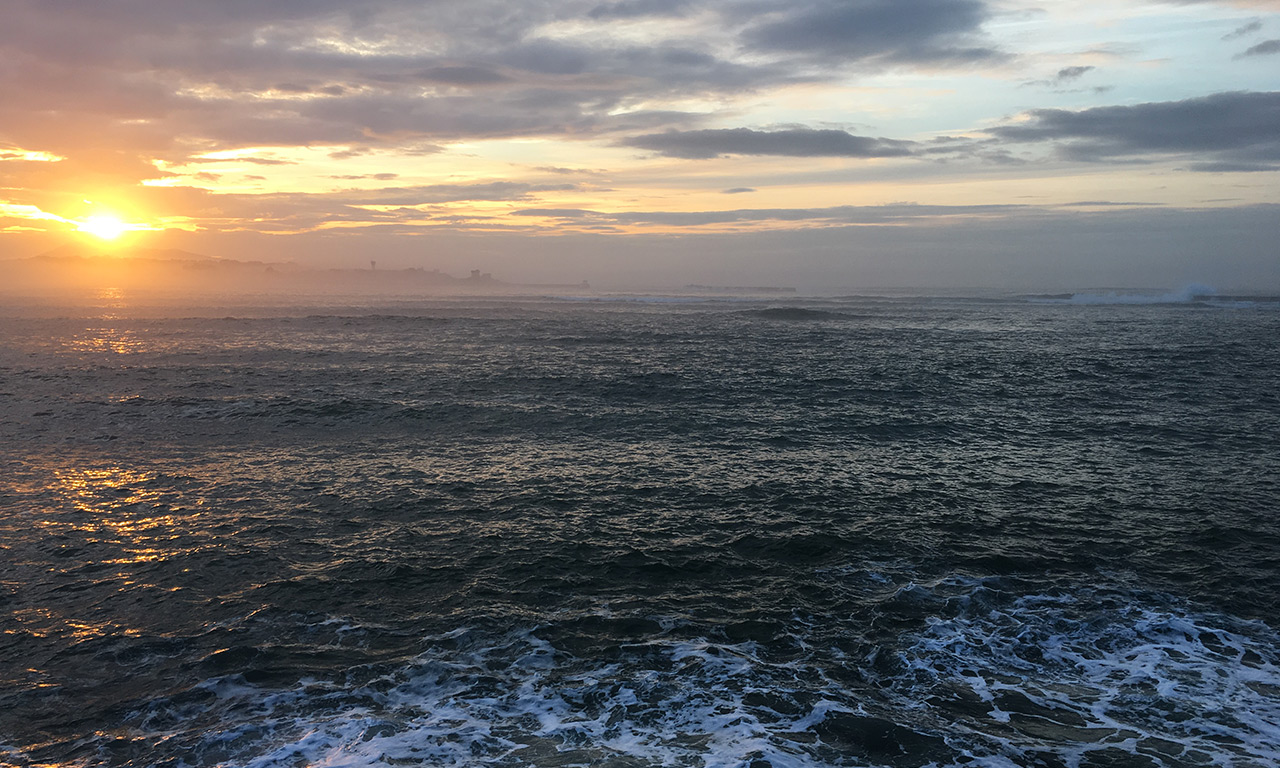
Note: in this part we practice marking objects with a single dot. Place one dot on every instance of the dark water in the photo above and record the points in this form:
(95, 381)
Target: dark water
(860, 532)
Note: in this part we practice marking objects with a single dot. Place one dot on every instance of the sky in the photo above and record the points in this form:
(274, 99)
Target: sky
(824, 144)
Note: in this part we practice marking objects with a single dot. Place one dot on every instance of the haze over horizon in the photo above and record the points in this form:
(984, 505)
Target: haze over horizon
(967, 143)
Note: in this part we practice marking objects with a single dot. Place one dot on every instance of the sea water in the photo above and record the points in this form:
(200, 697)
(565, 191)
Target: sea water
(627, 531)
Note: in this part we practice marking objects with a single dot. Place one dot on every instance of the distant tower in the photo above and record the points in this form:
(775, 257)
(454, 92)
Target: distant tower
(373, 265)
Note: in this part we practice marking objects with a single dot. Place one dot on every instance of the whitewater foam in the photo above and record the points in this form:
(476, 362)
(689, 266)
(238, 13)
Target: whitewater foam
(1095, 672)
(992, 677)
(1189, 293)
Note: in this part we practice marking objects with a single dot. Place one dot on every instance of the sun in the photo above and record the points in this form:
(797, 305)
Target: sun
(103, 225)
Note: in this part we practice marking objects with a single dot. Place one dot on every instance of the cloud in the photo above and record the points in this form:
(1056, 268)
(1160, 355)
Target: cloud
(635, 8)
(1072, 73)
(892, 214)
(737, 190)
(1247, 29)
(459, 75)
(449, 193)
(191, 76)
(889, 31)
(1065, 77)
(794, 142)
(1239, 128)
(1265, 48)
(375, 176)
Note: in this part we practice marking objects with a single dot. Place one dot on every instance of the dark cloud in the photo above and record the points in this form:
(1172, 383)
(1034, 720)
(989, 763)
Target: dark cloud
(1065, 77)
(375, 176)
(460, 75)
(835, 215)
(1247, 29)
(892, 31)
(248, 159)
(1238, 128)
(1265, 48)
(561, 171)
(1223, 166)
(1072, 73)
(450, 193)
(1105, 204)
(737, 190)
(634, 8)
(795, 142)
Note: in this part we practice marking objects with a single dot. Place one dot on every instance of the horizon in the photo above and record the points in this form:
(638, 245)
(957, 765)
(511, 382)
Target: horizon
(149, 273)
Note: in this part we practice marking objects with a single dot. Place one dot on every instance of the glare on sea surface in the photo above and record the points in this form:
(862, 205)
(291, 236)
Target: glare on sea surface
(114, 512)
(107, 335)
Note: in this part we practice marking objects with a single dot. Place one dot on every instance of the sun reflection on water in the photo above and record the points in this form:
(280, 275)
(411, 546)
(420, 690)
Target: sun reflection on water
(121, 509)
(107, 335)
(98, 527)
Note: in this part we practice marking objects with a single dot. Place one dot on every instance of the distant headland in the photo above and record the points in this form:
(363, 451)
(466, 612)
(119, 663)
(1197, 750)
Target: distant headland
(76, 268)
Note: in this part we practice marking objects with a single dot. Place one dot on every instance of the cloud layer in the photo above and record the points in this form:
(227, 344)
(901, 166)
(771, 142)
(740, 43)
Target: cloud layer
(1237, 129)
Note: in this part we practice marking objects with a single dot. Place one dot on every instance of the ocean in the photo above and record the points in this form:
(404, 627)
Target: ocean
(641, 531)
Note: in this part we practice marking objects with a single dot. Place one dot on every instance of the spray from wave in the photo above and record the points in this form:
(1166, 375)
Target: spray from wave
(1193, 292)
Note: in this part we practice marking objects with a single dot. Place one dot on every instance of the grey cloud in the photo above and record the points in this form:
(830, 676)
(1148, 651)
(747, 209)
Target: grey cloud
(1241, 128)
(567, 171)
(1247, 29)
(1066, 76)
(376, 176)
(1230, 167)
(634, 8)
(1265, 48)
(445, 74)
(737, 190)
(463, 75)
(1105, 204)
(450, 193)
(250, 160)
(795, 142)
(896, 31)
(1072, 73)
(844, 214)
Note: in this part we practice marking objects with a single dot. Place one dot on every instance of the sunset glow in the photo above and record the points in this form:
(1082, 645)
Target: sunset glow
(104, 226)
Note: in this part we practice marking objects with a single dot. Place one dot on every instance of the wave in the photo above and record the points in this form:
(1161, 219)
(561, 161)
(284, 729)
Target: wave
(957, 672)
(1099, 676)
(1194, 292)
(796, 313)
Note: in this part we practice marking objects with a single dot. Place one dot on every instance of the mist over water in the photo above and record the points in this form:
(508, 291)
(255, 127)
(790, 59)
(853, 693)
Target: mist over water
(538, 531)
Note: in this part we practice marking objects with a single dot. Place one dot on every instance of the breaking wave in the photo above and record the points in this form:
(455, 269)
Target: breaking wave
(984, 674)
(1185, 295)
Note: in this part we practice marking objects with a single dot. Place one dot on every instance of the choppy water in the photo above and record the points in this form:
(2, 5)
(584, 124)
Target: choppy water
(854, 532)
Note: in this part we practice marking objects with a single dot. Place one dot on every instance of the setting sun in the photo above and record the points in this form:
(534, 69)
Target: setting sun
(105, 226)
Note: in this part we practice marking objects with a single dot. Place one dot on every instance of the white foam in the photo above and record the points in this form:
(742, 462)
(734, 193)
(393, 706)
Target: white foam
(1186, 294)
(1122, 676)
(998, 676)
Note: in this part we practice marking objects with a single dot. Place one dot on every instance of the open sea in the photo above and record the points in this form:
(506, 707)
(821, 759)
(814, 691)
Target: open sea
(637, 531)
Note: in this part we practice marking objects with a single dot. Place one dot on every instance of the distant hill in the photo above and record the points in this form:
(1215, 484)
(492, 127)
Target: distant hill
(80, 269)
(85, 251)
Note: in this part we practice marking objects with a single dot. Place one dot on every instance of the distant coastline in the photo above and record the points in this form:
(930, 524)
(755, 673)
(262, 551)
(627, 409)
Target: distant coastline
(74, 269)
